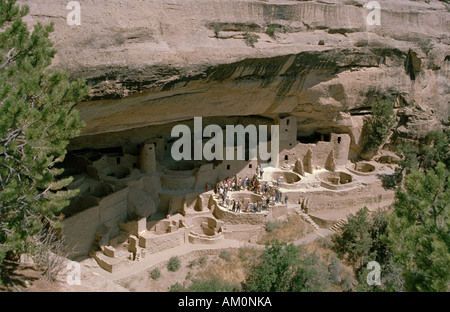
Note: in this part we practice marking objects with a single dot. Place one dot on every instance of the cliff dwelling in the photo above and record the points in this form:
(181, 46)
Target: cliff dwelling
(136, 194)
(306, 72)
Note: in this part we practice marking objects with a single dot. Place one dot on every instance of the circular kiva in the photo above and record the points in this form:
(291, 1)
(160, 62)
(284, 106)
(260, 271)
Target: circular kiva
(335, 178)
(285, 177)
(246, 197)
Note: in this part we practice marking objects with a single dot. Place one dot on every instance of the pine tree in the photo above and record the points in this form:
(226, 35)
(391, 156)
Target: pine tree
(377, 127)
(419, 229)
(37, 120)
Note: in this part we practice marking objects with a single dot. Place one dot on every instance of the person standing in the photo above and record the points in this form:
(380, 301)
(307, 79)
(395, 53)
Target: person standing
(286, 199)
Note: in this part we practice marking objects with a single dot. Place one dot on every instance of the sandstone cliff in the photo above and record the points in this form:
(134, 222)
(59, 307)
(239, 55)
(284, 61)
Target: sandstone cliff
(161, 61)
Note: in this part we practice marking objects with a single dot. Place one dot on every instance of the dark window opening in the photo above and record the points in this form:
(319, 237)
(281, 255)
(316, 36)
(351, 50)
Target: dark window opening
(228, 167)
(286, 157)
(339, 140)
(111, 151)
(287, 122)
(250, 166)
(314, 138)
(118, 160)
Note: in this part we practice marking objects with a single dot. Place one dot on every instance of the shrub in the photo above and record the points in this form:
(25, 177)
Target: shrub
(280, 269)
(270, 30)
(377, 127)
(225, 255)
(335, 270)
(272, 226)
(177, 287)
(155, 274)
(347, 282)
(202, 260)
(206, 285)
(174, 264)
(251, 39)
(217, 30)
(192, 263)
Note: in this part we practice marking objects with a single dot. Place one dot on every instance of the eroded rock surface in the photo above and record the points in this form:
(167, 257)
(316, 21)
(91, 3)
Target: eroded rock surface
(156, 62)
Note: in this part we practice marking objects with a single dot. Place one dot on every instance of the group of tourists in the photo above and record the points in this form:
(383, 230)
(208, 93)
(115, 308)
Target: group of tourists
(270, 193)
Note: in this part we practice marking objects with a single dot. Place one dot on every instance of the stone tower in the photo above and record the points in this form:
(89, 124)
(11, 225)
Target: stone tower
(148, 158)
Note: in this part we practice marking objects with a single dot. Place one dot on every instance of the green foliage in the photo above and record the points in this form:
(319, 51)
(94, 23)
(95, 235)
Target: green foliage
(206, 285)
(419, 229)
(37, 120)
(355, 241)
(202, 260)
(174, 264)
(155, 274)
(363, 239)
(225, 255)
(217, 30)
(177, 287)
(272, 226)
(335, 269)
(377, 127)
(251, 39)
(280, 269)
(270, 30)
(433, 149)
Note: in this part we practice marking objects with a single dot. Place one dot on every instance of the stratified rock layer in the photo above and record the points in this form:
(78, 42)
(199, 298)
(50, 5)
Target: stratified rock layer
(158, 62)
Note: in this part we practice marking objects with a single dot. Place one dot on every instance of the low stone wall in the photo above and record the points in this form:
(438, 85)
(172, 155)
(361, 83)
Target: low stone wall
(195, 238)
(336, 180)
(362, 169)
(239, 218)
(154, 243)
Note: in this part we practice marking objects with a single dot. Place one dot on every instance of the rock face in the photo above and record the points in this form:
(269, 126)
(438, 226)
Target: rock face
(140, 204)
(152, 63)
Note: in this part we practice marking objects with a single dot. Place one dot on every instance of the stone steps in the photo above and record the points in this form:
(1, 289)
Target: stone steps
(337, 226)
(308, 219)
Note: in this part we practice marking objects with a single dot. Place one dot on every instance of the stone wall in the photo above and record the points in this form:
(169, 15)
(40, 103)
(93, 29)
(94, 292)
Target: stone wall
(80, 229)
(229, 217)
(339, 143)
(154, 243)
